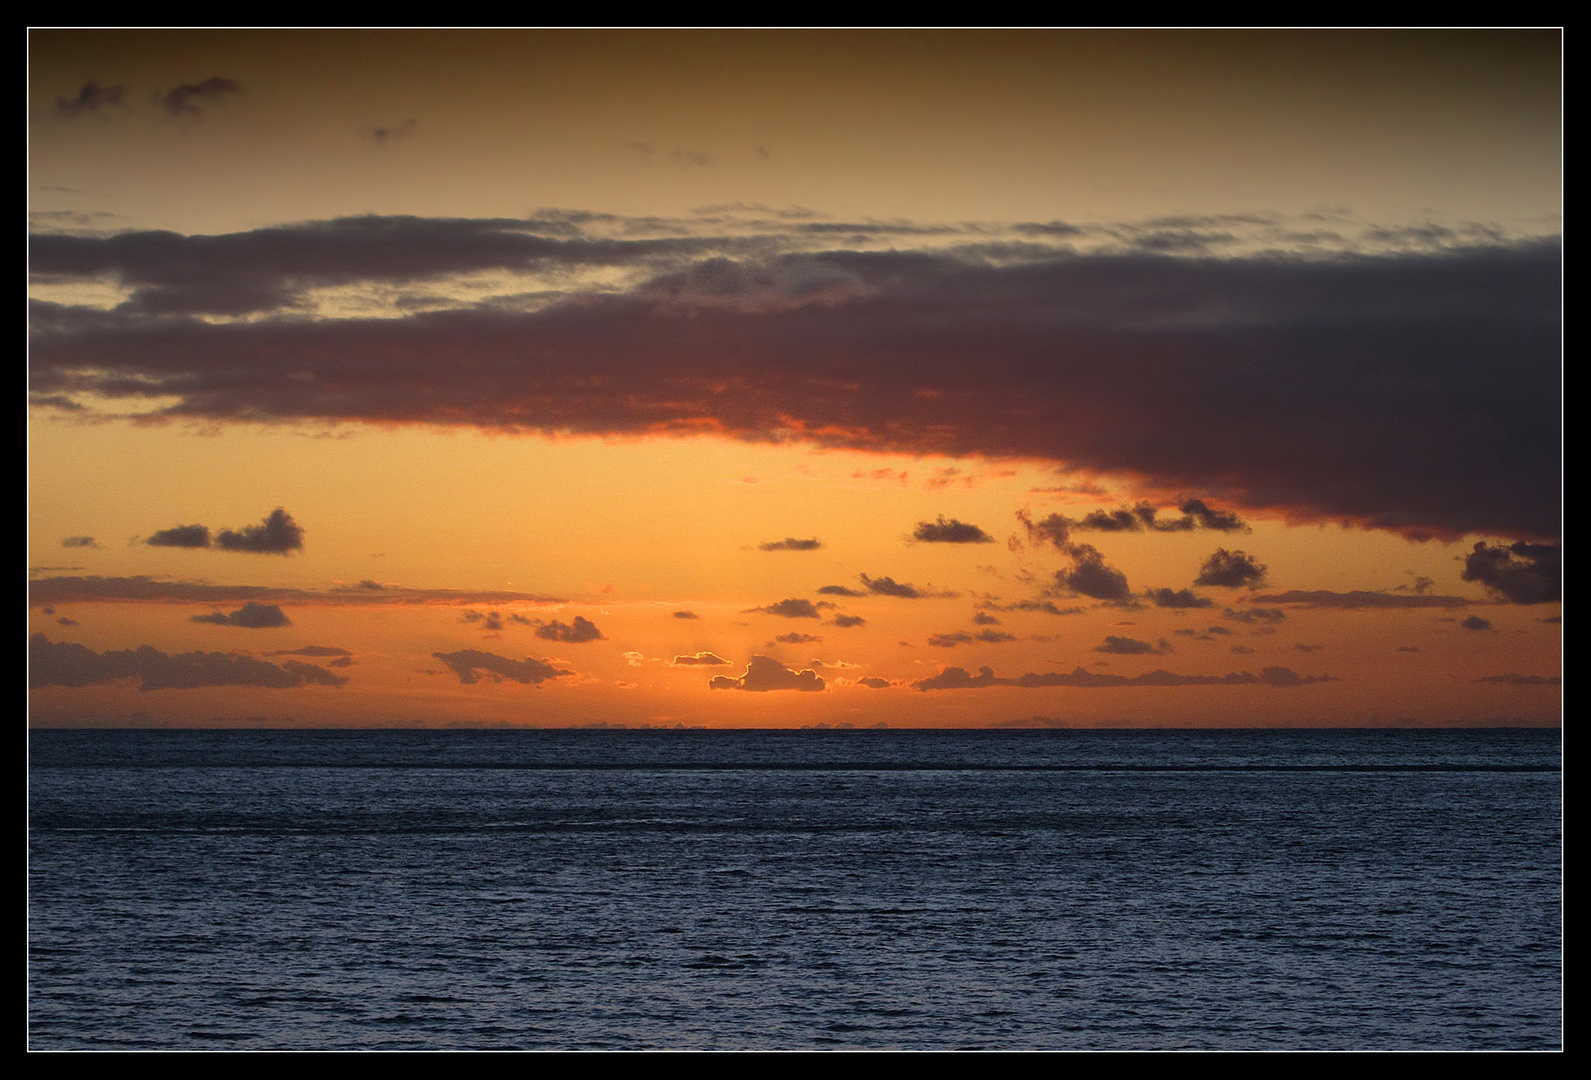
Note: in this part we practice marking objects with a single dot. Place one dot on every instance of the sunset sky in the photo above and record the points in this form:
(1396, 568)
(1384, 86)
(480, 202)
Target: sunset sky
(560, 378)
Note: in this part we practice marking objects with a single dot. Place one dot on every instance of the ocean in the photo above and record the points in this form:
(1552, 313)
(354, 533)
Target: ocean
(795, 890)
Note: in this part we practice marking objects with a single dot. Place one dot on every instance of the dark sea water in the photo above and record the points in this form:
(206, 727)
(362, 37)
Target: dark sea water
(1065, 890)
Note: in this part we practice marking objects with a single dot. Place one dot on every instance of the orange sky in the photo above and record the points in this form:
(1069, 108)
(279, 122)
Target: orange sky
(1174, 378)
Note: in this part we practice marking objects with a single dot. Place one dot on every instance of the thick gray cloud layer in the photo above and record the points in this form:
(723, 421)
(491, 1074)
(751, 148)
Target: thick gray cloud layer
(63, 663)
(1414, 391)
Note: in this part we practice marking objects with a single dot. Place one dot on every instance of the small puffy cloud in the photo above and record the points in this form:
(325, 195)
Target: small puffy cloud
(1475, 622)
(1092, 576)
(1126, 646)
(764, 673)
(1522, 573)
(182, 536)
(684, 615)
(1523, 680)
(844, 621)
(470, 664)
(1231, 570)
(872, 682)
(186, 99)
(79, 542)
(840, 590)
(983, 618)
(312, 650)
(66, 664)
(250, 616)
(790, 543)
(90, 98)
(950, 531)
(794, 638)
(278, 534)
(374, 586)
(701, 659)
(888, 586)
(577, 633)
(794, 608)
(490, 621)
(1181, 598)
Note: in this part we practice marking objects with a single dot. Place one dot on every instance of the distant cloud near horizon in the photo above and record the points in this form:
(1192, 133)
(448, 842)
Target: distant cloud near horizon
(277, 534)
(790, 543)
(66, 664)
(91, 98)
(250, 616)
(950, 531)
(764, 674)
(470, 664)
(1231, 570)
(578, 632)
(955, 678)
(184, 100)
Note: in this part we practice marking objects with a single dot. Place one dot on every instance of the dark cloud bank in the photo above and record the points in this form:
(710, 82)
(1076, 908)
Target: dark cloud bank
(955, 678)
(63, 663)
(1415, 391)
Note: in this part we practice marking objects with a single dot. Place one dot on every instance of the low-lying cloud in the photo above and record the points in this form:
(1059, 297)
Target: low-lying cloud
(64, 663)
(765, 673)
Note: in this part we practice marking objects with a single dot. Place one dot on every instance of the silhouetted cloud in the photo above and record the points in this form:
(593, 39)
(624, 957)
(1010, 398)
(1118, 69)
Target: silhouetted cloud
(845, 621)
(90, 98)
(700, 659)
(79, 542)
(1196, 514)
(470, 664)
(1264, 615)
(955, 678)
(684, 615)
(67, 664)
(950, 531)
(888, 586)
(1126, 646)
(983, 618)
(1231, 570)
(1475, 622)
(250, 616)
(840, 590)
(790, 543)
(1358, 598)
(872, 682)
(962, 637)
(1181, 598)
(1523, 573)
(312, 650)
(1523, 680)
(183, 536)
(578, 632)
(764, 673)
(1091, 576)
(794, 608)
(382, 135)
(184, 100)
(278, 534)
(794, 638)
(1256, 380)
(95, 589)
